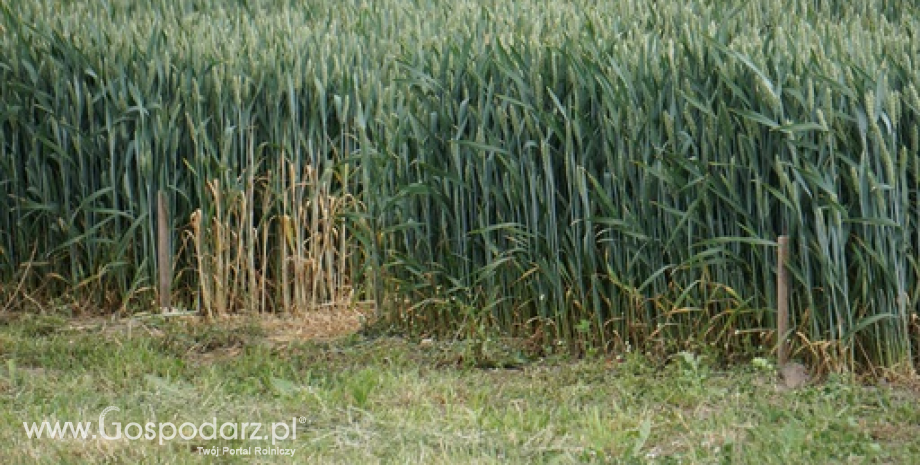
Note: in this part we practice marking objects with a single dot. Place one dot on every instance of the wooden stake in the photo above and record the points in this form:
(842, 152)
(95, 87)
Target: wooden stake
(164, 266)
(782, 300)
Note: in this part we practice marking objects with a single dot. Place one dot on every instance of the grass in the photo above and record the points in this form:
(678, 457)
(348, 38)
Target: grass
(388, 400)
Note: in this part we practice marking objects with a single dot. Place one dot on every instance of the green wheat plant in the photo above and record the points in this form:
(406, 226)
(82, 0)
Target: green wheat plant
(601, 175)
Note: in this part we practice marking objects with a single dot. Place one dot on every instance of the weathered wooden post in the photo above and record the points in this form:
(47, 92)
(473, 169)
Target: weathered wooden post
(782, 300)
(164, 265)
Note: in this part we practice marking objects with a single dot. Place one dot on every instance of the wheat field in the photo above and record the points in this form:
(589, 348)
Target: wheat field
(601, 175)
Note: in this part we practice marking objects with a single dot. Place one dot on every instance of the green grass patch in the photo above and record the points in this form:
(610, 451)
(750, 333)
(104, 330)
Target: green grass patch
(386, 399)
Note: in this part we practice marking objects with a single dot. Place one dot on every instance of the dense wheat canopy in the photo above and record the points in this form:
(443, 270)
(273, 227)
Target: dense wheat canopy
(607, 174)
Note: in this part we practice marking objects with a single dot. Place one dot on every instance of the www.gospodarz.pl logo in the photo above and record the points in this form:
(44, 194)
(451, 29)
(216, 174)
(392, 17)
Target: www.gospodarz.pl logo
(164, 431)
